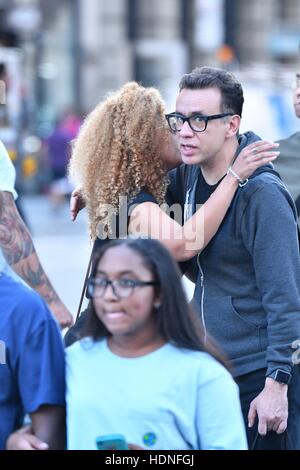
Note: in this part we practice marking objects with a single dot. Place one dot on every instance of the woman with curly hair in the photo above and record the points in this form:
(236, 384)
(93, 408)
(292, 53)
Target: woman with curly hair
(120, 160)
(123, 147)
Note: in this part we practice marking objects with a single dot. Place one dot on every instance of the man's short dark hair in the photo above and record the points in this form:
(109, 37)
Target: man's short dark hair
(212, 77)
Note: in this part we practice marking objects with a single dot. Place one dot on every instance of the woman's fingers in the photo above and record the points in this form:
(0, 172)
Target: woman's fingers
(254, 156)
(265, 156)
(257, 149)
(76, 203)
(264, 160)
(74, 207)
(263, 150)
(260, 146)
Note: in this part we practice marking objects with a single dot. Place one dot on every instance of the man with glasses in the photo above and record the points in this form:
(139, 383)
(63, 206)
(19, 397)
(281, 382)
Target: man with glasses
(248, 276)
(289, 163)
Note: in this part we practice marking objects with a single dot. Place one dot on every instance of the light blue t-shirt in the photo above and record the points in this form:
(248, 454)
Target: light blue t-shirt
(169, 399)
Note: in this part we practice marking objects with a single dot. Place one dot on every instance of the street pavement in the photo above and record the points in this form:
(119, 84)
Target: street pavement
(63, 246)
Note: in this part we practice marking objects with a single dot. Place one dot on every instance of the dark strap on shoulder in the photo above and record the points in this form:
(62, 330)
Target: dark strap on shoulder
(84, 286)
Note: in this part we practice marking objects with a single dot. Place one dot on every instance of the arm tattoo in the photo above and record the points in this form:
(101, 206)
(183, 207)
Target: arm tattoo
(34, 275)
(18, 249)
(15, 240)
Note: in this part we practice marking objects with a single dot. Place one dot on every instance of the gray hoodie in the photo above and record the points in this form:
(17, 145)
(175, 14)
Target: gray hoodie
(248, 283)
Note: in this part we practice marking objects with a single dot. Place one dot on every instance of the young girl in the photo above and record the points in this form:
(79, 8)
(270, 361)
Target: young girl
(142, 369)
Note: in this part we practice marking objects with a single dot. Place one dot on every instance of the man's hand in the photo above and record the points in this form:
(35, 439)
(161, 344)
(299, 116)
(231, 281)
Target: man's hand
(76, 203)
(271, 408)
(25, 440)
(61, 313)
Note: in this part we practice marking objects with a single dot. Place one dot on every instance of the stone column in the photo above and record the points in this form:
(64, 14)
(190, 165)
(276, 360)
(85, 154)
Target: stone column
(255, 24)
(106, 57)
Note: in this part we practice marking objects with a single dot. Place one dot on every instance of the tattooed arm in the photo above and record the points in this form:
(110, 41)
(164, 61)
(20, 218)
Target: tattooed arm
(18, 249)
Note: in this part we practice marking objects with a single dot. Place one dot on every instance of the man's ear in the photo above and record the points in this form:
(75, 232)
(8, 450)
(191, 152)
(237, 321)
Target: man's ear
(234, 125)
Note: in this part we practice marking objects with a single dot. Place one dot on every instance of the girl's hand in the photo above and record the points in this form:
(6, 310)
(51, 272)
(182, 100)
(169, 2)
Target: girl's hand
(76, 203)
(134, 447)
(253, 156)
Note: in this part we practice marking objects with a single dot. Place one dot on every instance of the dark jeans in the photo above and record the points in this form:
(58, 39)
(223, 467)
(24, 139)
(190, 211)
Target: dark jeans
(250, 386)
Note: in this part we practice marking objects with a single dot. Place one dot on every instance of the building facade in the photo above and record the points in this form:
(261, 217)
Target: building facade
(76, 51)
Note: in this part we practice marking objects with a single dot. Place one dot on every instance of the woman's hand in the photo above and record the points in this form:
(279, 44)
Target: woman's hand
(76, 203)
(253, 156)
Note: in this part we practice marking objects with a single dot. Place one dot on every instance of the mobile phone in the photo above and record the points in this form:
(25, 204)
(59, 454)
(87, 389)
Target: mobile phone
(111, 442)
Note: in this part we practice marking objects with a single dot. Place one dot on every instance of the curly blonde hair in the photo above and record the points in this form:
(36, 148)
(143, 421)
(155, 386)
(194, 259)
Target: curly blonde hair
(117, 152)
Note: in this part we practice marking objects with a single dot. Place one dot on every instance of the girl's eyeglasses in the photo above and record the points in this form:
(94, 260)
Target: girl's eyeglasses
(121, 288)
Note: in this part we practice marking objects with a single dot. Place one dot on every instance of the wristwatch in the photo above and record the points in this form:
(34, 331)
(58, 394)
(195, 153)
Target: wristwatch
(281, 376)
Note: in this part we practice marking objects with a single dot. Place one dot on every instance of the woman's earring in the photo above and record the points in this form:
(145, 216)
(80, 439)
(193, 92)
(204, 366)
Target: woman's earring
(156, 305)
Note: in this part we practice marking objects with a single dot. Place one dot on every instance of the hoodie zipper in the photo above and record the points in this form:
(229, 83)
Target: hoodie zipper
(202, 296)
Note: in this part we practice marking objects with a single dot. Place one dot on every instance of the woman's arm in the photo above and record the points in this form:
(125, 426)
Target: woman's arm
(186, 241)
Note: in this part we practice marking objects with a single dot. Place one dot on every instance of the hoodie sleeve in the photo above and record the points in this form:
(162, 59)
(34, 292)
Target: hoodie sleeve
(269, 228)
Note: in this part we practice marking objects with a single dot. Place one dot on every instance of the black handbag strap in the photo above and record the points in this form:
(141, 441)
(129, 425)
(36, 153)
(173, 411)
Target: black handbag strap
(84, 286)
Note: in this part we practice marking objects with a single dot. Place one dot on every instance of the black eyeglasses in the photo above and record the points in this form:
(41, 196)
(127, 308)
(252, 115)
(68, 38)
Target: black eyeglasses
(122, 288)
(197, 122)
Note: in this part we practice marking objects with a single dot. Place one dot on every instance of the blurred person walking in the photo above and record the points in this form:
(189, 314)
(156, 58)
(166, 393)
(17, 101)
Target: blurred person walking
(247, 288)
(18, 256)
(58, 144)
(58, 150)
(288, 165)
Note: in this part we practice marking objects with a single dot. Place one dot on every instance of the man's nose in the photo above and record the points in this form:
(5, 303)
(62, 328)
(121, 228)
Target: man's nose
(186, 130)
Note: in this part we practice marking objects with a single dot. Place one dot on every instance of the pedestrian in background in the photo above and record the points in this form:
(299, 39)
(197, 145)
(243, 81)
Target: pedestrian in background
(58, 152)
(288, 165)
